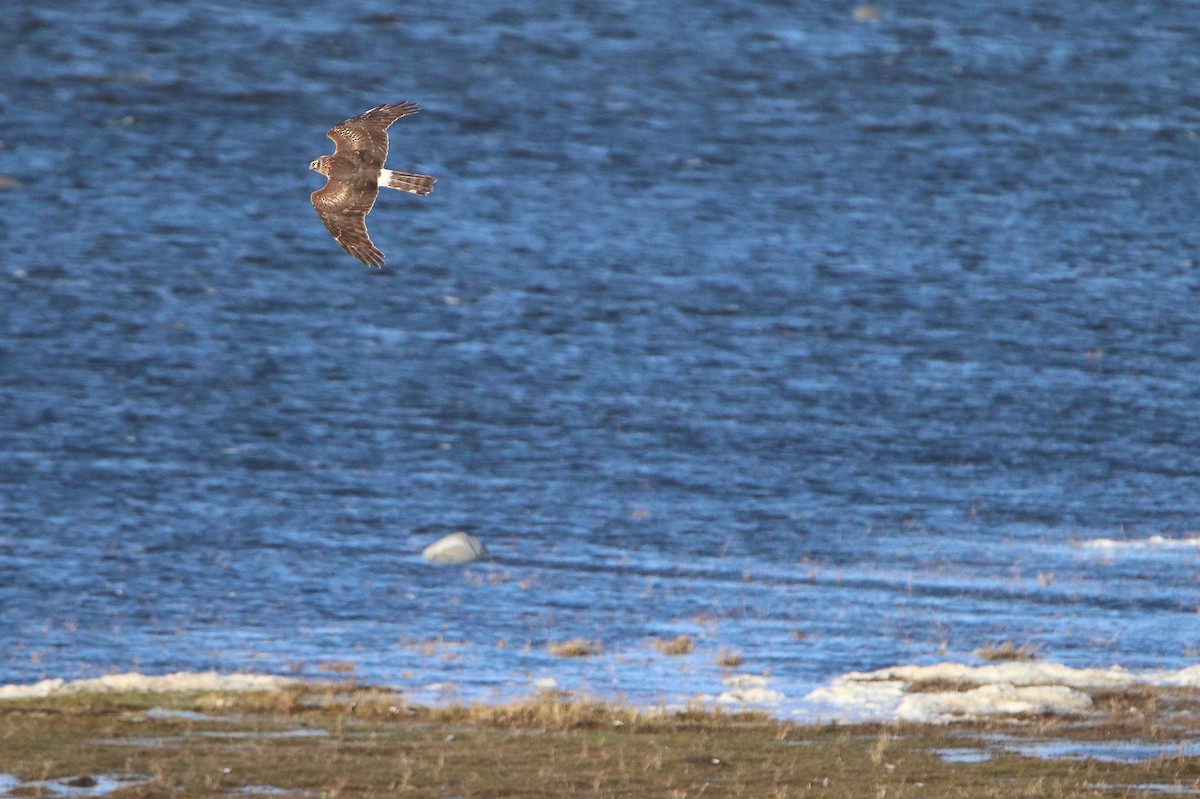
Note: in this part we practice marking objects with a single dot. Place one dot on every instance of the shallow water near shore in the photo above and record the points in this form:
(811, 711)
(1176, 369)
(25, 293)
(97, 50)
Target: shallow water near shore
(829, 342)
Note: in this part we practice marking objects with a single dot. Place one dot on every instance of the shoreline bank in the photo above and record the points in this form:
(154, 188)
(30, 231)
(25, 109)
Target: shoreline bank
(337, 739)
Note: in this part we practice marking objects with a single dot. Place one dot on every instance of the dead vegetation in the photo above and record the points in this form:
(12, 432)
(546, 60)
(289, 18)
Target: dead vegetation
(681, 645)
(1006, 650)
(339, 739)
(729, 658)
(575, 648)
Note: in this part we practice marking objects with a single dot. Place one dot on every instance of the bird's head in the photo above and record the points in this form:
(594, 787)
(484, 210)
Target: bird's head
(318, 165)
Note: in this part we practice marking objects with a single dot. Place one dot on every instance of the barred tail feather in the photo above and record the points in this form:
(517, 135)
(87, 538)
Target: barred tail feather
(407, 181)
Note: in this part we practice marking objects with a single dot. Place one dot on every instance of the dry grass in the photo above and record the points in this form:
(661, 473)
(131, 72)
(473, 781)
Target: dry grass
(682, 645)
(338, 740)
(1006, 651)
(729, 658)
(364, 742)
(575, 648)
(337, 666)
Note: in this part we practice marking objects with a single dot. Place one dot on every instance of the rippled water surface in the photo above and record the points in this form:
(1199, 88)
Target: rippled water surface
(826, 340)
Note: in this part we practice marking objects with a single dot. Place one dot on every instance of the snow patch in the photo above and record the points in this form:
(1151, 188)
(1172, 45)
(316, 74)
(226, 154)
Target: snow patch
(900, 693)
(1153, 542)
(746, 689)
(132, 681)
(942, 707)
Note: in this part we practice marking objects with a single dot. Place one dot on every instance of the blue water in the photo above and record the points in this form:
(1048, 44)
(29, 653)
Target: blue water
(823, 341)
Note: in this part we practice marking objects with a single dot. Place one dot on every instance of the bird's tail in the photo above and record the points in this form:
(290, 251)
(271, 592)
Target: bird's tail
(407, 181)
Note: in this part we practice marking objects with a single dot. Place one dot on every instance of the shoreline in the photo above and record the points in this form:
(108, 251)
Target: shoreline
(292, 738)
(936, 694)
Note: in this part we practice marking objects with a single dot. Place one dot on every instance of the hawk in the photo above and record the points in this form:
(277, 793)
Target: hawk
(355, 173)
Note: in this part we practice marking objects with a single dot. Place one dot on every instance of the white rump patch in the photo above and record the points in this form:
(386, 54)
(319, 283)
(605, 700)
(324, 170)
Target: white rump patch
(385, 177)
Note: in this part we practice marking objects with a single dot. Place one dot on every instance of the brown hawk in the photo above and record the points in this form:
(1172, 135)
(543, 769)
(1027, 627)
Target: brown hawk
(355, 172)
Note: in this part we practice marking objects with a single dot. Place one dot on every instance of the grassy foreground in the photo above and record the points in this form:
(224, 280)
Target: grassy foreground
(339, 741)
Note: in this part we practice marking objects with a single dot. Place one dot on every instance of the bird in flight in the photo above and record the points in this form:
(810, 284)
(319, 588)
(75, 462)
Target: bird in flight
(354, 175)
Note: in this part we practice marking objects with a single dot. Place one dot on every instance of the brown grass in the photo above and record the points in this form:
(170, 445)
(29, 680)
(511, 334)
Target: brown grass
(575, 648)
(337, 666)
(366, 742)
(729, 658)
(682, 645)
(1006, 650)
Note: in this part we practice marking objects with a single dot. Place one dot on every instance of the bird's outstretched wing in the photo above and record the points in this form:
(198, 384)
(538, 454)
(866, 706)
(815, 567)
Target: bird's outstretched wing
(366, 134)
(343, 206)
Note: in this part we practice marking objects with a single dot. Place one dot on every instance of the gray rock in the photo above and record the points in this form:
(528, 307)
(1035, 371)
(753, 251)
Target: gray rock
(455, 548)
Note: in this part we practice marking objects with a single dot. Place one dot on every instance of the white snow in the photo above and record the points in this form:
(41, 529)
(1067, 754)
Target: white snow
(745, 689)
(993, 690)
(1153, 542)
(132, 681)
(991, 700)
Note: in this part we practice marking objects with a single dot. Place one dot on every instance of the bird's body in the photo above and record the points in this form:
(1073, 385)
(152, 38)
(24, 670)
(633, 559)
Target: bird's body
(355, 173)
